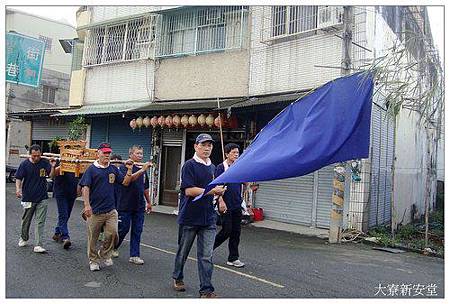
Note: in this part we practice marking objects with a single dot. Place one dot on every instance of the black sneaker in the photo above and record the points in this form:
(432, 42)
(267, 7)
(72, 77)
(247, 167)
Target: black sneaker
(56, 237)
(66, 244)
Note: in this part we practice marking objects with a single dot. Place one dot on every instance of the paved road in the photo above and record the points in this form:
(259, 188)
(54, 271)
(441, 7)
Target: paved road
(279, 265)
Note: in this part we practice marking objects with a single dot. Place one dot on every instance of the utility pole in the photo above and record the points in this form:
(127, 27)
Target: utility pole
(335, 232)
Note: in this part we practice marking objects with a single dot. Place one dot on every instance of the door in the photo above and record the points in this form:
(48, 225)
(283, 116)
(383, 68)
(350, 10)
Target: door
(170, 178)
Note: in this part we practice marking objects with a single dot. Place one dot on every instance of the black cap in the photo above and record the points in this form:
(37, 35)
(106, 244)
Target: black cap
(203, 137)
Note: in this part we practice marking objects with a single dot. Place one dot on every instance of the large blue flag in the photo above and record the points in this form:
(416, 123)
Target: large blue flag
(330, 125)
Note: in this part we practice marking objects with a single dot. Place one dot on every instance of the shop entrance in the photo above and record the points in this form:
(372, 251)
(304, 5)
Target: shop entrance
(170, 178)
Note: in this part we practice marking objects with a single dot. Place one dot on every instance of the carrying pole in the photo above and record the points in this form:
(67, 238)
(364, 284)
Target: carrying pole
(220, 128)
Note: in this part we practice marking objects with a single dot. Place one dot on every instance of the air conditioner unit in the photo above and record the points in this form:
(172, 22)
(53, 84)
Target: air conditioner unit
(329, 16)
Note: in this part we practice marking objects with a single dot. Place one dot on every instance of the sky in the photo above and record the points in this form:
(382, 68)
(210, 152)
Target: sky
(67, 15)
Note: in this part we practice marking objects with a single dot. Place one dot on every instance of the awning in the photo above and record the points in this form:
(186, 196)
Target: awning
(37, 112)
(104, 108)
(207, 104)
(264, 100)
(181, 105)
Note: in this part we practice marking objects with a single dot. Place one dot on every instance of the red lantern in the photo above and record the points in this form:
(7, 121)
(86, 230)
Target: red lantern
(154, 121)
(233, 122)
(176, 121)
(133, 124)
(217, 121)
(161, 121)
(169, 121)
(225, 122)
(185, 121)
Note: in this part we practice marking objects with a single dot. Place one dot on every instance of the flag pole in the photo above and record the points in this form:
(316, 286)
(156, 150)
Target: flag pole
(220, 128)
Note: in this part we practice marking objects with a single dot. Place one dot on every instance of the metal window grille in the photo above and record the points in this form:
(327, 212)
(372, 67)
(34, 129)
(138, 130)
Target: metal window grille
(359, 200)
(127, 41)
(48, 94)
(201, 30)
(285, 21)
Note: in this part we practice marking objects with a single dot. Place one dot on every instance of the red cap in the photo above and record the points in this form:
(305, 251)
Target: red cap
(105, 148)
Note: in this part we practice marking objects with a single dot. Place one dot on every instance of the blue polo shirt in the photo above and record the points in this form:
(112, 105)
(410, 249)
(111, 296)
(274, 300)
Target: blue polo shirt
(101, 184)
(34, 181)
(65, 186)
(132, 197)
(117, 194)
(233, 195)
(200, 212)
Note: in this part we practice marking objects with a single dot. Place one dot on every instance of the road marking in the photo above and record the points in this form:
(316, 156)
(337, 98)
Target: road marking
(93, 284)
(220, 267)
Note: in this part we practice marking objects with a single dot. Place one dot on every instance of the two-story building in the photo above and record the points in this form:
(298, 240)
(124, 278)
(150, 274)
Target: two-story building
(158, 76)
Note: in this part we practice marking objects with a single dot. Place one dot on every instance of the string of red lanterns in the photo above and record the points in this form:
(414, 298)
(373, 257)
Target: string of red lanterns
(184, 121)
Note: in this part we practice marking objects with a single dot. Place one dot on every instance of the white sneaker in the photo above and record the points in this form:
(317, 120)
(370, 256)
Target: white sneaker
(115, 253)
(136, 260)
(93, 266)
(108, 262)
(22, 243)
(39, 249)
(236, 263)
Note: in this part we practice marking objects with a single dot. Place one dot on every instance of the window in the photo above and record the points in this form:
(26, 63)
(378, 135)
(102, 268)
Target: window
(48, 94)
(288, 20)
(298, 21)
(115, 40)
(47, 41)
(205, 29)
(127, 41)
(211, 29)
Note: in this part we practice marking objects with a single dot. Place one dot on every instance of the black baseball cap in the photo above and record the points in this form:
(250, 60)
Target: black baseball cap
(203, 137)
(105, 147)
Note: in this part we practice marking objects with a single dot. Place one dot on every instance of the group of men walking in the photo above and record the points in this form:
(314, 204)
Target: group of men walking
(116, 198)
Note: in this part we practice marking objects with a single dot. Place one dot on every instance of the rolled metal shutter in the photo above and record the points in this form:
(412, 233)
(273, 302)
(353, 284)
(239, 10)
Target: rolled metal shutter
(98, 131)
(45, 130)
(382, 157)
(172, 137)
(324, 194)
(288, 200)
(389, 163)
(122, 137)
(375, 143)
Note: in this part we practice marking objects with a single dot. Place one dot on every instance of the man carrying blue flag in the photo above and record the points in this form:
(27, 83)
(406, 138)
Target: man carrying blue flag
(197, 219)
